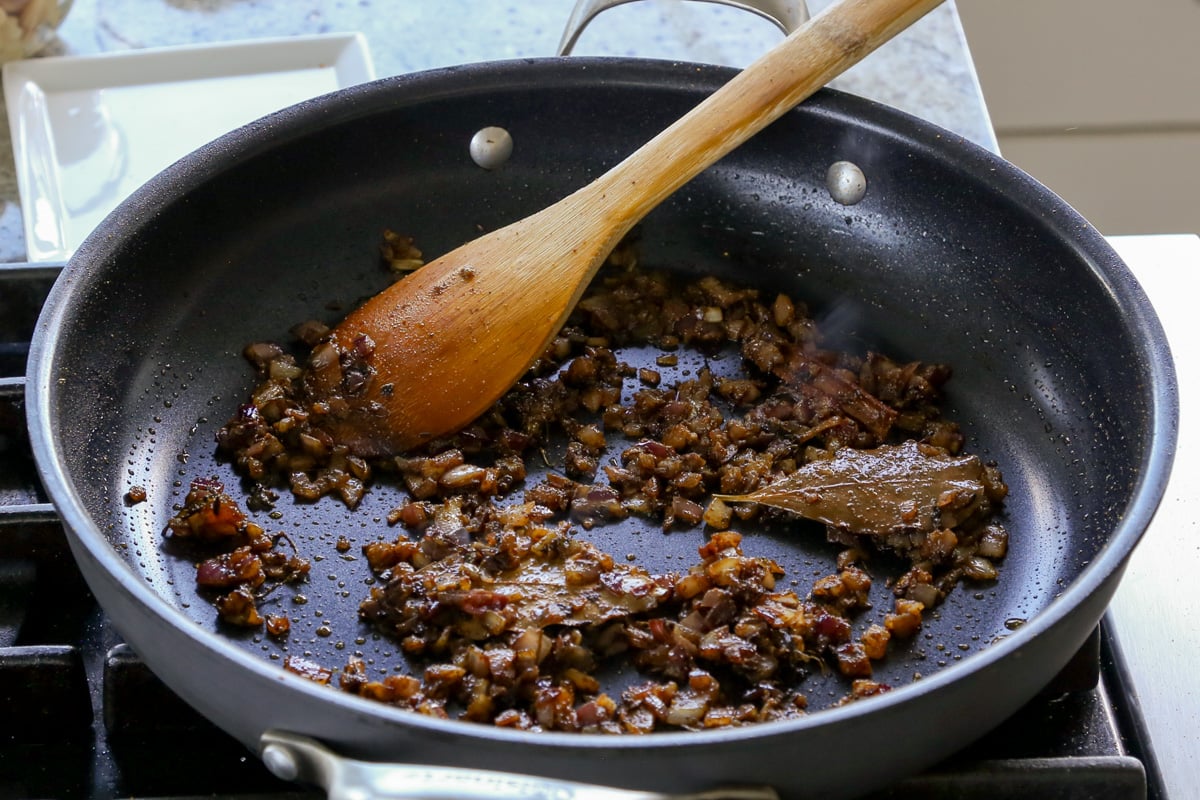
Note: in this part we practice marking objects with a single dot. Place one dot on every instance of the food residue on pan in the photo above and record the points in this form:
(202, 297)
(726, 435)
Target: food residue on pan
(488, 581)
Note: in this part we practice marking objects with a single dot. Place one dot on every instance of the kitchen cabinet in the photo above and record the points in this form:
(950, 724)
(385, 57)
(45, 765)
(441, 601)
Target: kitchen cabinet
(1099, 100)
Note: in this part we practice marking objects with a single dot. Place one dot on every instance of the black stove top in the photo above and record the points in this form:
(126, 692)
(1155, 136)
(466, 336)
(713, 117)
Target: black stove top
(82, 717)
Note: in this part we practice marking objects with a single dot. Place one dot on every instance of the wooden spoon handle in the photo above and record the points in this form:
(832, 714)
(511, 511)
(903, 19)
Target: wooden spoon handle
(824, 47)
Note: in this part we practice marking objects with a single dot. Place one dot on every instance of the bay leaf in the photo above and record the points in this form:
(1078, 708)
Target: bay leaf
(879, 491)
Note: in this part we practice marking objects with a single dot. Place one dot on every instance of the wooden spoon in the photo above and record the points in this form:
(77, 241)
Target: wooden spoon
(449, 340)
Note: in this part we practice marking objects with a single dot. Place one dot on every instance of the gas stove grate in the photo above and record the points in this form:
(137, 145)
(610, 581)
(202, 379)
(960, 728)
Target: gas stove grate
(84, 718)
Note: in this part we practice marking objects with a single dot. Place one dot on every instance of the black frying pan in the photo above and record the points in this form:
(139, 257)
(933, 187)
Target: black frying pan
(1062, 377)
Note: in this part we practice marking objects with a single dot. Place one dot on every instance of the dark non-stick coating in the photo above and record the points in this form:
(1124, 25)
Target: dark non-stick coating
(1062, 377)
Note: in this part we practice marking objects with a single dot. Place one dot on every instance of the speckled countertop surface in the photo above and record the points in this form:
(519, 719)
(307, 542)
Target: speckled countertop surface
(926, 70)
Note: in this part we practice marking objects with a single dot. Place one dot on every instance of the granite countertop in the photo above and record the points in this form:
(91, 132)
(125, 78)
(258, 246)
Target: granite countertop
(926, 71)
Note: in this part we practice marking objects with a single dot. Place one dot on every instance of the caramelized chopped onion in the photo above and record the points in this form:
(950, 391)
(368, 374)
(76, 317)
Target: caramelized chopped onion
(508, 615)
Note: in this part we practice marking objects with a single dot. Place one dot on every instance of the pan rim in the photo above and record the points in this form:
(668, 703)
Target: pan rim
(71, 289)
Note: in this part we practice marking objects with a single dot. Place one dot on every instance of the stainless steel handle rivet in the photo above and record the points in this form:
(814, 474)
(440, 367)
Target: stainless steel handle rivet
(846, 182)
(281, 762)
(491, 147)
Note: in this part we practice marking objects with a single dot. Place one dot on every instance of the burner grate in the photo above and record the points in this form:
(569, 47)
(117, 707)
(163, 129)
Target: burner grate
(84, 718)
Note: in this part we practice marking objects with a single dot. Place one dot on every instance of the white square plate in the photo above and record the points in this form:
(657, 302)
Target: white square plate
(89, 130)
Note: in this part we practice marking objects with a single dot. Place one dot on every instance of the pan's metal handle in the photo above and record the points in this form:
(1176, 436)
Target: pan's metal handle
(787, 14)
(297, 758)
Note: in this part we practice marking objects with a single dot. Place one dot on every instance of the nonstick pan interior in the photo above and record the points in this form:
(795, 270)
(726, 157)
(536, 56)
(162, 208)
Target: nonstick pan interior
(947, 259)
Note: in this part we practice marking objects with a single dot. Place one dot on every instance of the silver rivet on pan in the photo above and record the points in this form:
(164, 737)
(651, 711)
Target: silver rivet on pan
(847, 183)
(280, 762)
(491, 147)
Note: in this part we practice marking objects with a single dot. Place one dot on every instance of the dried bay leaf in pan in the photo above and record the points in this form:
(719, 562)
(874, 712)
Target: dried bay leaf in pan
(880, 491)
(537, 577)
